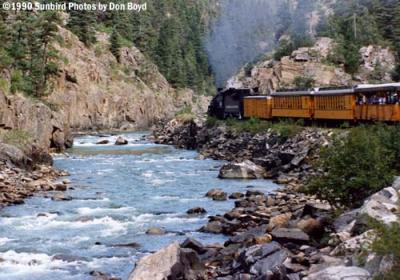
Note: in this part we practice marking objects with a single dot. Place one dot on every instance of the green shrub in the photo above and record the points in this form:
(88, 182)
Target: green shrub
(212, 121)
(285, 128)
(185, 115)
(304, 82)
(396, 73)
(387, 243)
(356, 167)
(184, 110)
(252, 125)
(288, 128)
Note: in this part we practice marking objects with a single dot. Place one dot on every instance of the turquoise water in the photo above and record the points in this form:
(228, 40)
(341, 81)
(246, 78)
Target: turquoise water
(118, 193)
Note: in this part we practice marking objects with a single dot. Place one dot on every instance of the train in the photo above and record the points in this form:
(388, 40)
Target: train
(363, 102)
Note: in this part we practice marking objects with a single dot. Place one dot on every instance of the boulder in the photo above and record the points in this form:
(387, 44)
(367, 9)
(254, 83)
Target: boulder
(121, 141)
(346, 221)
(311, 226)
(193, 244)
(155, 231)
(279, 221)
(212, 227)
(61, 197)
(272, 264)
(236, 195)
(382, 206)
(171, 262)
(255, 253)
(13, 155)
(103, 142)
(250, 193)
(340, 273)
(317, 209)
(217, 194)
(284, 235)
(244, 170)
(196, 211)
(354, 244)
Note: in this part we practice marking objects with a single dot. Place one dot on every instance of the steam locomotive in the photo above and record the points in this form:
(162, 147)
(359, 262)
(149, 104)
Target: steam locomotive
(364, 102)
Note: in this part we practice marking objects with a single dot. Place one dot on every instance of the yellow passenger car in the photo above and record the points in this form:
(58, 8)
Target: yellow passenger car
(334, 103)
(257, 107)
(292, 104)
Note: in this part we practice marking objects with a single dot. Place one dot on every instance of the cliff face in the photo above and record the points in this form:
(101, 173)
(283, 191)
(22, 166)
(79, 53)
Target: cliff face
(93, 91)
(312, 63)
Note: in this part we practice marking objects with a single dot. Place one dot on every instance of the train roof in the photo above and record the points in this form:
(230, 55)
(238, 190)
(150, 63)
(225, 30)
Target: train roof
(377, 87)
(345, 90)
(292, 92)
(257, 97)
(334, 91)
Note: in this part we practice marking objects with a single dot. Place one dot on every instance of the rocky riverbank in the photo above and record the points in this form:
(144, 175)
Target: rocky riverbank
(281, 235)
(22, 174)
(284, 157)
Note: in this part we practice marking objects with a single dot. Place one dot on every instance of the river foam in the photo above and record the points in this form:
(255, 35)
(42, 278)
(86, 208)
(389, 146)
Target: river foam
(118, 194)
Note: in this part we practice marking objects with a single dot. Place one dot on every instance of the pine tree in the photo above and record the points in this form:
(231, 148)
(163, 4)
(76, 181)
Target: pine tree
(82, 24)
(115, 44)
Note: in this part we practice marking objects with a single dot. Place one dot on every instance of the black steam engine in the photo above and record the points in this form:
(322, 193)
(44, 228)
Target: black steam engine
(228, 103)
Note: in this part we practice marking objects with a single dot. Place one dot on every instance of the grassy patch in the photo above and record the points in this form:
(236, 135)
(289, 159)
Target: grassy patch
(285, 128)
(17, 138)
(185, 115)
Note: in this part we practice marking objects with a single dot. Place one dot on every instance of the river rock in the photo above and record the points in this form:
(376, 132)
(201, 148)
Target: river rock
(340, 273)
(354, 244)
(128, 245)
(13, 155)
(244, 170)
(61, 197)
(279, 221)
(196, 211)
(294, 235)
(155, 231)
(60, 187)
(121, 141)
(171, 262)
(382, 206)
(236, 195)
(316, 209)
(98, 275)
(217, 194)
(193, 244)
(212, 227)
(311, 226)
(103, 142)
(271, 264)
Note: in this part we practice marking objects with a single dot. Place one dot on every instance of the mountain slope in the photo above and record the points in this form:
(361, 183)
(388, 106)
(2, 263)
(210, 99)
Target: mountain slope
(93, 91)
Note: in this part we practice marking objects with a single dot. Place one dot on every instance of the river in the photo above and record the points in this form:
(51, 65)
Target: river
(118, 193)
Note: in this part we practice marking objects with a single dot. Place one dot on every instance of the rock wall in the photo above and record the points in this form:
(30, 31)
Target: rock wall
(46, 127)
(313, 63)
(92, 92)
(95, 92)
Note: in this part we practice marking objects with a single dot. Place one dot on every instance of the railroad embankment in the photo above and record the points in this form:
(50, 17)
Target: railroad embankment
(287, 234)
